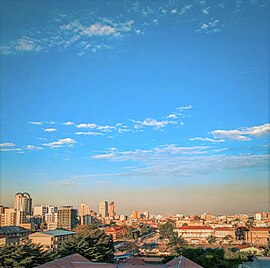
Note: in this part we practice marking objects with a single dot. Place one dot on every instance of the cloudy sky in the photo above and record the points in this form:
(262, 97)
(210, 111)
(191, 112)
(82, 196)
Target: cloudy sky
(156, 105)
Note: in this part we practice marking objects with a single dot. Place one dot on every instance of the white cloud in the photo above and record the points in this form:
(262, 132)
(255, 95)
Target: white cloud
(182, 108)
(33, 148)
(150, 122)
(89, 133)
(242, 134)
(50, 130)
(35, 123)
(155, 153)
(27, 44)
(106, 128)
(60, 142)
(205, 139)
(101, 30)
(10, 149)
(103, 156)
(172, 115)
(7, 144)
(209, 27)
(88, 125)
(69, 123)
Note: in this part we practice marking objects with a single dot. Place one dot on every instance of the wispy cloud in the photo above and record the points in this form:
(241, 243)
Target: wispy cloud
(138, 154)
(27, 44)
(37, 123)
(69, 123)
(172, 160)
(33, 148)
(10, 149)
(212, 26)
(60, 142)
(206, 139)
(7, 144)
(182, 108)
(242, 134)
(89, 133)
(50, 130)
(86, 125)
(150, 122)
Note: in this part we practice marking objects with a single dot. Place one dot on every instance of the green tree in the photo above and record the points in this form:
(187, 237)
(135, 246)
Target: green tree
(211, 239)
(90, 242)
(177, 244)
(166, 230)
(25, 255)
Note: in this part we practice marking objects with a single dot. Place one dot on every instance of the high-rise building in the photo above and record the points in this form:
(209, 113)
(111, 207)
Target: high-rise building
(112, 212)
(84, 210)
(10, 217)
(146, 214)
(136, 214)
(23, 202)
(67, 217)
(103, 209)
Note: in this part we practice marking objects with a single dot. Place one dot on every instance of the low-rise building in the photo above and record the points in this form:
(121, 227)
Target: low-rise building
(12, 235)
(52, 239)
(258, 236)
(195, 234)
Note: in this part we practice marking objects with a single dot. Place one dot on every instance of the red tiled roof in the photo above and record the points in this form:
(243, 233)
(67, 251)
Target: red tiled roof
(195, 228)
(260, 229)
(224, 229)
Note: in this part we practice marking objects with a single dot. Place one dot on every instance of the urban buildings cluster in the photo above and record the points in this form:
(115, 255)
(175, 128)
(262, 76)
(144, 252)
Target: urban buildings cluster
(53, 225)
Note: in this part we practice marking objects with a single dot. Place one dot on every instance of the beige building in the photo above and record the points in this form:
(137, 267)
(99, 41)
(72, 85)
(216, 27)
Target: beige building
(258, 236)
(224, 234)
(9, 217)
(195, 234)
(112, 212)
(67, 217)
(12, 235)
(103, 209)
(84, 210)
(51, 240)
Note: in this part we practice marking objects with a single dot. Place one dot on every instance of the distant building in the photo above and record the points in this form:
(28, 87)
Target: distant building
(84, 210)
(87, 219)
(112, 212)
(146, 214)
(23, 202)
(51, 240)
(195, 234)
(9, 217)
(67, 217)
(103, 209)
(136, 214)
(259, 236)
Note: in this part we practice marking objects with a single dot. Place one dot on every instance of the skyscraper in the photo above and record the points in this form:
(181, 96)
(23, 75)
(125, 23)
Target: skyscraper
(67, 217)
(84, 210)
(112, 212)
(103, 209)
(23, 202)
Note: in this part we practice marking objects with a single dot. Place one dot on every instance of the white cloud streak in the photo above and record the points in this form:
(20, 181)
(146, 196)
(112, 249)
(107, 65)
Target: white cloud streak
(242, 134)
(7, 144)
(50, 130)
(60, 142)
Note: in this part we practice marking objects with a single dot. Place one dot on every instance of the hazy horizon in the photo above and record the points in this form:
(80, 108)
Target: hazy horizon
(156, 105)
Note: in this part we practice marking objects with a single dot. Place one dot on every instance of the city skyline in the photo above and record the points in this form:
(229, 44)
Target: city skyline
(160, 106)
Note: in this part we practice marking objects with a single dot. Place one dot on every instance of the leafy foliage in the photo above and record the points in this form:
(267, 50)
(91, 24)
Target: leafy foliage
(166, 230)
(90, 242)
(24, 255)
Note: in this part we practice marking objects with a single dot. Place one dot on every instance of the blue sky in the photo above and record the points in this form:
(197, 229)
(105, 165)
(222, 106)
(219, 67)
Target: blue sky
(158, 105)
